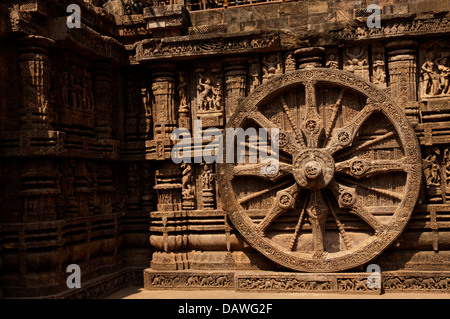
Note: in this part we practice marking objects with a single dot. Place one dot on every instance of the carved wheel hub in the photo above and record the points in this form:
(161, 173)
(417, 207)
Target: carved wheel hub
(313, 168)
(347, 177)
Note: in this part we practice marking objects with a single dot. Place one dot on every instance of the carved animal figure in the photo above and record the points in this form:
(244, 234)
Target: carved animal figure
(207, 281)
(269, 284)
(361, 285)
(222, 281)
(410, 283)
(157, 281)
(393, 283)
(346, 284)
(193, 281)
(428, 283)
(289, 285)
(443, 283)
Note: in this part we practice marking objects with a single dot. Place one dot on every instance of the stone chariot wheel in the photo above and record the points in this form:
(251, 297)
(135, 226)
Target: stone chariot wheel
(346, 179)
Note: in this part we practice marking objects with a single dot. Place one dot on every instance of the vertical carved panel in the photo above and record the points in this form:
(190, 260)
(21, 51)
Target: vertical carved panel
(35, 71)
(187, 186)
(184, 109)
(208, 186)
(133, 186)
(378, 66)
(403, 75)
(103, 100)
(163, 87)
(254, 75)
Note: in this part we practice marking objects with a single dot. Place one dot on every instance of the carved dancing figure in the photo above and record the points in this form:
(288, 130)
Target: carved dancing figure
(205, 88)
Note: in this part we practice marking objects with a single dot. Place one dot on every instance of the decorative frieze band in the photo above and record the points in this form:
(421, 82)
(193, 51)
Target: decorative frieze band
(191, 46)
(396, 28)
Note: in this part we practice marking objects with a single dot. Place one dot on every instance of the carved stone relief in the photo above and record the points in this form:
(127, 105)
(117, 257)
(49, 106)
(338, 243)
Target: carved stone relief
(435, 70)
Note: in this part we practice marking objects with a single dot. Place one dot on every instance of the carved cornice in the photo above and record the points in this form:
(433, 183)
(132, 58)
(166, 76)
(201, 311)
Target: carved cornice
(206, 45)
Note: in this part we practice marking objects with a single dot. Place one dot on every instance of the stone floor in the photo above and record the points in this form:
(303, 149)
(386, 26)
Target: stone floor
(141, 293)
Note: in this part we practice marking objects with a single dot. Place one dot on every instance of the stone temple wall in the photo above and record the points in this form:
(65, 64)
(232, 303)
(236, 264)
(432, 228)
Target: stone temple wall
(87, 115)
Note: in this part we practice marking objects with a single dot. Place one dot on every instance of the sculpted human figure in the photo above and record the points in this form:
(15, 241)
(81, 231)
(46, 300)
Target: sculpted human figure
(429, 76)
(432, 168)
(272, 65)
(332, 62)
(205, 88)
(444, 74)
(207, 177)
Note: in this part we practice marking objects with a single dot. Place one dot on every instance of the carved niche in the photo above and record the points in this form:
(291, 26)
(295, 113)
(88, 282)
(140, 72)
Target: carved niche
(356, 60)
(348, 176)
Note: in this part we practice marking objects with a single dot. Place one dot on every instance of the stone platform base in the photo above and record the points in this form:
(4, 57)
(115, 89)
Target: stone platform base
(268, 281)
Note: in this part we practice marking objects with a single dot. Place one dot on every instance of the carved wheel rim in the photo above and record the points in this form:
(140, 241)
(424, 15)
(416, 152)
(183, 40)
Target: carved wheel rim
(323, 178)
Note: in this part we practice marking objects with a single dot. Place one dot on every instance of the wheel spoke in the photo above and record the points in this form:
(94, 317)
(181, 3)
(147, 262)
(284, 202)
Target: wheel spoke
(344, 136)
(347, 198)
(358, 168)
(261, 193)
(347, 240)
(336, 108)
(297, 227)
(312, 125)
(284, 200)
(366, 144)
(385, 192)
(285, 140)
(268, 171)
(297, 132)
(317, 210)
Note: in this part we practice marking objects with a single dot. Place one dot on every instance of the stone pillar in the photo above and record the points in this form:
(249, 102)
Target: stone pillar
(235, 83)
(164, 111)
(402, 64)
(310, 57)
(35, 71)
(103, 100)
